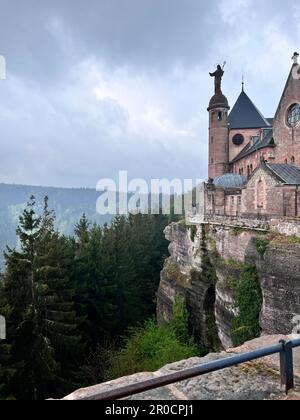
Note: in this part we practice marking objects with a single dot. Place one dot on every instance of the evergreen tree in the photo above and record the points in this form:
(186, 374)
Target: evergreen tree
(38, 291)
(60, 292)
(82, 232)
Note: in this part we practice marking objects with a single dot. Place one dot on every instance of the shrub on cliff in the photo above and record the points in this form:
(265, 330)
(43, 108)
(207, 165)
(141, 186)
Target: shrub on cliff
(248, 301)
(152, 346)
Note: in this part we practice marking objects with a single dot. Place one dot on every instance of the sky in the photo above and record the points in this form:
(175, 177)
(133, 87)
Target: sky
(98, 86)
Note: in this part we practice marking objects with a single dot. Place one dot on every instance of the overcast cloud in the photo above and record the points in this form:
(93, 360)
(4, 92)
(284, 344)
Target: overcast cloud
(98, 86)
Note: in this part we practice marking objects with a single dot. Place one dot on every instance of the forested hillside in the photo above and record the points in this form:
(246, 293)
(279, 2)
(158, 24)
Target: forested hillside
(68, 204)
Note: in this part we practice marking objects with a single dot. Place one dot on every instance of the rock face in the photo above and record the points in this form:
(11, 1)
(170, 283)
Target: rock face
(258, 380)
(279, 274)
(188, 273)
(204, 262)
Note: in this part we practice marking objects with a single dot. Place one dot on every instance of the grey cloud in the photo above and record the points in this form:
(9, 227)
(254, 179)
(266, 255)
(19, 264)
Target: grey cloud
(151, 60)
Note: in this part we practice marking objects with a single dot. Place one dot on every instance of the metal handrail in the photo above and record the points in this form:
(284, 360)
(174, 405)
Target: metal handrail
(284, 348)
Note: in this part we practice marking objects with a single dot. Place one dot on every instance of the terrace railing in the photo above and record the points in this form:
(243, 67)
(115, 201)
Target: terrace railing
(284, 349)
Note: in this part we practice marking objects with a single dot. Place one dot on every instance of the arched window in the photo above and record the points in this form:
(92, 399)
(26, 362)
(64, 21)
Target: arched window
(248, 171)
(212, 160)
(220, 116)
(251, 168)
(293, 115)
(260, 194)
(286, 161)
(293, 159)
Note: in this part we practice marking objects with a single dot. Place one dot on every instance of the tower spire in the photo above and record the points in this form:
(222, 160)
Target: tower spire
(243, 81)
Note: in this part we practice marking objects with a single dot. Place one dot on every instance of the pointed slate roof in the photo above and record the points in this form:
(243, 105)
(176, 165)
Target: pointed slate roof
(244, 114)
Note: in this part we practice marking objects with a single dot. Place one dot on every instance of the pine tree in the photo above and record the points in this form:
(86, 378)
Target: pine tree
(82, 232)
(42, 322)
(95, 290)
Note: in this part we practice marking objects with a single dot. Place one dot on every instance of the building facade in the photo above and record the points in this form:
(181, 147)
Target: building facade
(254, 162)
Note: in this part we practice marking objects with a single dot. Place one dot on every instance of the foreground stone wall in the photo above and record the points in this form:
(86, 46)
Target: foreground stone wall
(252, 381)
(205, 258)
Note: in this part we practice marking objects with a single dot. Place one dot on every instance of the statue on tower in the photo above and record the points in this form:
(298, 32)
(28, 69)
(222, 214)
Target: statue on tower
(218, 74)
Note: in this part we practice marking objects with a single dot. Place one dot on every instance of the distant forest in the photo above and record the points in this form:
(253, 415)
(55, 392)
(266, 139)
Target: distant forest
(68, 203)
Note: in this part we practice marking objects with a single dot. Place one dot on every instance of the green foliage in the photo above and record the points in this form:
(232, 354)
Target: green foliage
(193, 232)
(180, 320)
(98, 363)
(209, 274)
(213, 248)
(234, 264)
(261, 245)
(275, 239)
(173, 271)
(37, 300)
(229, 283)
(117, 272)
(236, 231)
(211, 333)
(59, 292)
(294, 240)
(248, 301)
(152, 346)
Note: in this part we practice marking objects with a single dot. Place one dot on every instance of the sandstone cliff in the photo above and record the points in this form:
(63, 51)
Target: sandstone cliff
(205, 260)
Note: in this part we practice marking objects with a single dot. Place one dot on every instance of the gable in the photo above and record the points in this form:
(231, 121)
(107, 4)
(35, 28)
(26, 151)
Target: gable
(290, 96)
(262, 172)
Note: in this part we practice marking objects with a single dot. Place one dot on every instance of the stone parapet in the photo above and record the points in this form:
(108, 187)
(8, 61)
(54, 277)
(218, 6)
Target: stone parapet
(281, 225)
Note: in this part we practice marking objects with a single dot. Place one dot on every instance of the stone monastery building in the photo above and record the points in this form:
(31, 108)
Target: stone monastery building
(254, 162)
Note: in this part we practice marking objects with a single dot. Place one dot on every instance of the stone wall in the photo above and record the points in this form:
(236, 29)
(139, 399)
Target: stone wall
(289, 226)
(269, 200)
(249, 163)
(235, 150)
(258, 380)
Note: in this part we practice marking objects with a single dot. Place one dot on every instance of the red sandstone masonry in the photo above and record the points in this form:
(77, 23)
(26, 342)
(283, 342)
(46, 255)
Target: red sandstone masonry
(282, 225)
(218, 143)
(287, 139)
(247, 134)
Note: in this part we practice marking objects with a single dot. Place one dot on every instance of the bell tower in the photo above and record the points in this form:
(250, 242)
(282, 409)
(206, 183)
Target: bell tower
(218, 163)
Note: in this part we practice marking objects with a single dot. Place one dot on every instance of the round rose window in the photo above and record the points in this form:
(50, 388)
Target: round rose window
(294, 115)
(238, 139)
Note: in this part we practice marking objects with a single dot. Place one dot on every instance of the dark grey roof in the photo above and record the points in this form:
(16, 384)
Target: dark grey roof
(266, 141)
(289, 174)
(218, 100)
(244, 114)
(230, 181)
